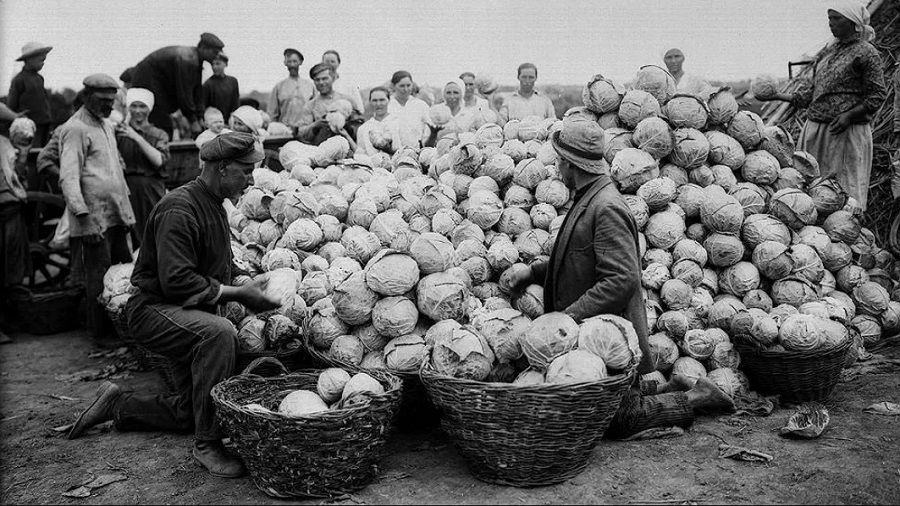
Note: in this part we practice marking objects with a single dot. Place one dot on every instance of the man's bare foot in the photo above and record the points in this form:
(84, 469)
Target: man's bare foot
(706, 395)
(682, 383)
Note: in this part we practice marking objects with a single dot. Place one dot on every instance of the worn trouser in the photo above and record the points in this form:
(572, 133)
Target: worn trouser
(89, 263)
(642, 408)
(202, 347)
(144, 193)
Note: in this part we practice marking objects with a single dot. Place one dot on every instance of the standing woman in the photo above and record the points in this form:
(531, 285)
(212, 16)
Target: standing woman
(410, 112)
(846, 91)
(145, 150)
(461, 119)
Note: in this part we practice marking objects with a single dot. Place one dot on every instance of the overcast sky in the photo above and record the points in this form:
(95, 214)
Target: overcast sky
(568, 40)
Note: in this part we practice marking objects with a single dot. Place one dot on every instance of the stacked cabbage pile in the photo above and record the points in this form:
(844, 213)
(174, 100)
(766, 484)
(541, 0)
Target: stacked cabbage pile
(335, 389)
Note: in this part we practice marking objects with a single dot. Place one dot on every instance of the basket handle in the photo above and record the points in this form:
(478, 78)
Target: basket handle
(264, 360)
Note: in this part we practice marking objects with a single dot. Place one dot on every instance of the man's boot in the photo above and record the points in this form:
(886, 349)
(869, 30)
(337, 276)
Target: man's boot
(215, 458)
(101, 410)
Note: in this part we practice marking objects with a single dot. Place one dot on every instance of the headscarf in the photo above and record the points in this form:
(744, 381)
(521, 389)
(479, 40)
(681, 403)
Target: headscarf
(142, 95)
(248, 116)
(858, 13)
(462, 88)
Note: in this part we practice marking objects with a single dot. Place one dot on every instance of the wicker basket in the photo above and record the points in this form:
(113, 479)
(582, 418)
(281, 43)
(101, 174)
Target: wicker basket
(416, 414)
(50, 312)
(794, 375)
(320, 455)
(292, 360)
(525, 436)
(148, 360)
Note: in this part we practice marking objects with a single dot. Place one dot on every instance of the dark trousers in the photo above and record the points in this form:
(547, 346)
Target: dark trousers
(145, 192)
(89, 263)
(642, 408)
(14, 256)
(202, 347)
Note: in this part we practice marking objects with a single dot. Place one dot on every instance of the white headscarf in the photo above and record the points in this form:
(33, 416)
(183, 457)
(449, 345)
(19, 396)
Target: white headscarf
(858, 13)
(142, 95)
(248, 116)
(462, 89)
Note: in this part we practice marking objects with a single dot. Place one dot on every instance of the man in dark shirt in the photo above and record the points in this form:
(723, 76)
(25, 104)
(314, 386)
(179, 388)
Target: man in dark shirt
(27, 93)
(182, 274)
(221, 91)
(174, 74)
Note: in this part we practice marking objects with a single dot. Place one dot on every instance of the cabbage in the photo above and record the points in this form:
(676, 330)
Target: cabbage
(842, 226)
(868, 328)
(663, 350)
(250, 335)
(463, 354)
(836, 256)
(502, 255)
(330, 384)
(552, 191)
(691, 148)
(688, 249)
(633, 167)
(405, 353)
(658, 193)
(353, 299)
(724, 355)
(722, 213)
(702, 176)
(654, 136)
(793, 207)
(656, 81)
(758, 299)
(441, 296)
(688, 271)
(724, 177)
(654, 275)
(724, 250)
(360, 244)
(611, 338)
(503, 329)
(488, 134)
(659, 256)
(576, 366)
(690, 197)
(602, 95)
(673, 323)
(890, 318)
(739, 279)
(686, 111)
(871, 298)
(549, 336)
(747, 128)
(827, 196)
(637, 105)
(331, 150)
(724, 310)
(731, 381)
(807, 263)
(664, 229)
(433, 253)
(301, 403)
(689, 368)
(794, 291)
(698, 344)
(639, 210)
(347, 348)
(722, 106)
(760, 167)
(542, 215)
(279, 331)
(725, 150)
(531, 302)
(802, 332)
(483, 183)
(617, 139)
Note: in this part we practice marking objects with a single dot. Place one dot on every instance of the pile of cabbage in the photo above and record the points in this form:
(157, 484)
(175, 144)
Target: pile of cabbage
(740, 241)
(117, 287)
(335, 389)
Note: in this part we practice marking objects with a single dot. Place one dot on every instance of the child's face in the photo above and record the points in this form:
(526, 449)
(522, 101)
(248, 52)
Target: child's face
(216, 125)
(218, 67)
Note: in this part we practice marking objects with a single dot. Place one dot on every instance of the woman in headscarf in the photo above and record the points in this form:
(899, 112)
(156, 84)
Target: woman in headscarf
(846, 91)
(410, 112)
(145, 150)
(450, 118)
(248, 120)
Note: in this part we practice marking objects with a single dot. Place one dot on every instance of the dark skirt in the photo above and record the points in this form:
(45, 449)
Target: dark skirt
(145, 191)
(14, 257)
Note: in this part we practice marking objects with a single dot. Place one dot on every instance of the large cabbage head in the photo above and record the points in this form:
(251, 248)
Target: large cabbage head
(656, 81)
(664, 229)
(698, 344)
(489, 134)
(802, 332)
(691, 148)
(394, 316)
(807, 263)
(739, 279)
(794, 291)
(611, 338)
(676, 294)
(639, 209)
(503, 328)
(333, 149)
(827, 195)
(654, 136)
(724, 355)
(633, 167)
(760, 168)
(484, 209)
(464, 353)
(405, 353)
(842, 226)
(549, 336)
(576, 366)
(773, 260)
(658, 193)
(793, 207)
(433, 252)
(689, 368)
(725, 150)
(724, 310)
(871, 298)
(553, 192)
(353, 299)
(302, 235)
(663, 350)
(836, 256)
(778, 141)
(254, 203)
(520, 197)
(617, 139)
(868, 327)
(279, 258)
(764, 86)
(391, 273)
(602, 95)
(324, 325)
(722, 213)
(731, 381)
(722, 106)
(360, 244)
(686, 111)
(747, 128)
(637, 105)
(752, 198)
(442, 296)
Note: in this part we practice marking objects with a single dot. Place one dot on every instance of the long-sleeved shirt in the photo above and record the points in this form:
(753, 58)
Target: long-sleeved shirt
(91, 175)
(518, 107)
(223, 93)
(351, 90)
(288, 98)
(48, 158)
(845, 75)
(412, 121)
(693, 84)
(314, 110)
(185, 256)
(136, 162)
(174, 74)
(27, 93)
(364, 142)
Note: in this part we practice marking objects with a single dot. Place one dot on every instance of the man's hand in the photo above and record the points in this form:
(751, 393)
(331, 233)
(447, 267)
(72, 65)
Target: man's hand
(839, 124)
(516, 278)
(254, 297)
(86, 222)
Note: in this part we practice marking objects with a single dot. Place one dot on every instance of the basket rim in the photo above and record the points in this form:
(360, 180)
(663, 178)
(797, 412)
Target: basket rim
(793, 354)
(427, 372)
(318, 355)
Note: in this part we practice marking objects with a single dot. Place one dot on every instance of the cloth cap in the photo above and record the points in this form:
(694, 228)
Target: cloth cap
(291, 50)
(858, 13)
(581, 141)
(221, 56)
(208, 39)
(142, 95)
(319, 67)
(33, 49)
(248, 116)
(236, 146)
(100, 82)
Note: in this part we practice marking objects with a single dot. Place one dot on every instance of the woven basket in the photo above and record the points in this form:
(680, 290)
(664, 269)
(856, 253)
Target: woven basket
(148, 360)
(320, 455)
(292, 360)
(42, 313)
(416, 414)
(796, 376)
(525, 436)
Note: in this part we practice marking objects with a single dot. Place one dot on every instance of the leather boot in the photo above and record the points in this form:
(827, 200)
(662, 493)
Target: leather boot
(101, 410)
(215, 458)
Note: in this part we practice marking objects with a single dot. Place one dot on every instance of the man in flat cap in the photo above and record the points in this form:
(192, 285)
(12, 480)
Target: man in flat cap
(314, 128)
(175, 75)
(594, 269)
(290, 95)
(27, 94)
(93, 184)
(183, 274)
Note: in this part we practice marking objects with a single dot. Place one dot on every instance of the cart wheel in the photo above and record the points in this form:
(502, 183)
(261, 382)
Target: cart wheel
(49, 267)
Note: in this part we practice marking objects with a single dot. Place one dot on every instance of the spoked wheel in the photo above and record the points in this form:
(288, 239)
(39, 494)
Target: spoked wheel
(49, 267)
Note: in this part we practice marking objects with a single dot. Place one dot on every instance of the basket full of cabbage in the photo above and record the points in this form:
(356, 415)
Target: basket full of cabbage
(514, 392)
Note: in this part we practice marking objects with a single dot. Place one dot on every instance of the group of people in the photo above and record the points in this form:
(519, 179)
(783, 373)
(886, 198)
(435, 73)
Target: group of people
(183, 273)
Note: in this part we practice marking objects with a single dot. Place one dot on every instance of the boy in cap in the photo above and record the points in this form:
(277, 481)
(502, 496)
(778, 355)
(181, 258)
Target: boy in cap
(174, 74)
(27, 93)
(221, 91)
(594, 269)
(183, 275)
(93, 183)
(290, 95)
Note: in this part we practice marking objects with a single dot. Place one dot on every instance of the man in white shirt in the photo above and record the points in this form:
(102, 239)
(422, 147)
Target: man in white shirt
(410, 112)
(685, 82)
(470, 99)
(526, 101)
(341, 84)
(289, 96)
(382, 123)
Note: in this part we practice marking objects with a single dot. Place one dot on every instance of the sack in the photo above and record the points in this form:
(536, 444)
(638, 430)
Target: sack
(60, 239)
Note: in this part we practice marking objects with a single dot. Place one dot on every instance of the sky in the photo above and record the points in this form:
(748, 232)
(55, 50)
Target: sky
(568, 40)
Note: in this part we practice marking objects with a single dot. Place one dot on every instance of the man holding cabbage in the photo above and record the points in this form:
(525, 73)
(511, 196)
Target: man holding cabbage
(595, 269)
(183, 275)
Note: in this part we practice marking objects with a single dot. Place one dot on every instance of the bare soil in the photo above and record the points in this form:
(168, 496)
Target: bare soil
(855, 461)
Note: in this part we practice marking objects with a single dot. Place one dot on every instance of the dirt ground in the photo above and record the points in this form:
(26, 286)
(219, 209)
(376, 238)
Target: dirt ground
(857, 460)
